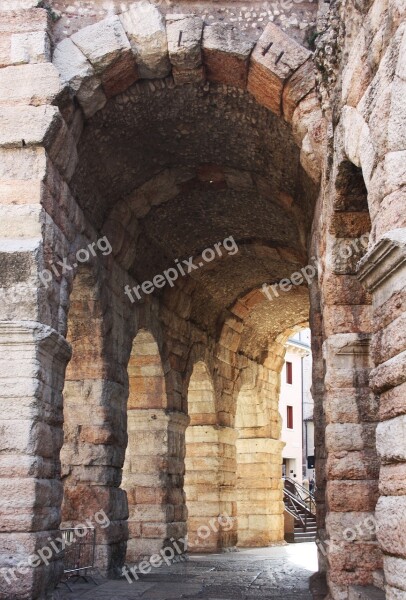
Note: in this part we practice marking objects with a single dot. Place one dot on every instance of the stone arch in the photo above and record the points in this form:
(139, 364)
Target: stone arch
(104, 59)
(152, 473)
(94, 430)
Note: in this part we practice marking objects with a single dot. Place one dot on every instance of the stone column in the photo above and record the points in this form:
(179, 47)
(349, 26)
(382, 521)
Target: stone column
(210, 468)
(383, 271)
(259, 491)
(32, 366)
(153, 480)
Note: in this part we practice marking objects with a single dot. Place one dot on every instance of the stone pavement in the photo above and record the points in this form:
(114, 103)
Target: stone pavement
(279, 573)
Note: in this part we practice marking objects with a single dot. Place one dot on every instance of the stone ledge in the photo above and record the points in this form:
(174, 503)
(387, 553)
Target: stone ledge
(357, 592)
(383, 260)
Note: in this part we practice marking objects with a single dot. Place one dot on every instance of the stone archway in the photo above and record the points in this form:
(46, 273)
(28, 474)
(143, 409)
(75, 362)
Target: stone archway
(149, 479)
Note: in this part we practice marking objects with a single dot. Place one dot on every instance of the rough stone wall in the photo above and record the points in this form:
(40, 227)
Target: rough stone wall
(359, 56)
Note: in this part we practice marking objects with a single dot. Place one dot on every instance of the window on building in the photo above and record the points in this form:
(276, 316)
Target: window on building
(288, 372)
(289, 417)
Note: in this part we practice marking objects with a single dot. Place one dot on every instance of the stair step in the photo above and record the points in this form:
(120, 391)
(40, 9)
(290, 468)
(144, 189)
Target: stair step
(357, 592)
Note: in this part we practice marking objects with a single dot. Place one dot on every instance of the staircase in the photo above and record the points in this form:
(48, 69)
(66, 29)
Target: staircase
(300, 504)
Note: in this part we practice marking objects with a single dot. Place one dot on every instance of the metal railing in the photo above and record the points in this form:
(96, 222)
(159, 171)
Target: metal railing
(79, 552)
(299, 502)
(303, 493)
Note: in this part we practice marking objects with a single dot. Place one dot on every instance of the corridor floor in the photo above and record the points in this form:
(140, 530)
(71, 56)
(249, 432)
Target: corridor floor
(279, 573)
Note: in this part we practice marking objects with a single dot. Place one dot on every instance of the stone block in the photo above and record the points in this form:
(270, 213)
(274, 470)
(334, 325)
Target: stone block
(185, 47)
(392, 479)
(102, 43)
(274, 60)
(301, 83)
(33, 84)
(349, 436)
(24, 21)
(345, 496)
(391, 439)
(389, 374)
(28, 126)
(395, 572)
(226, 53)
(32, 47)
(145, 28)
(353, 465)
(391, 214)
(392, 402)
(391, 519)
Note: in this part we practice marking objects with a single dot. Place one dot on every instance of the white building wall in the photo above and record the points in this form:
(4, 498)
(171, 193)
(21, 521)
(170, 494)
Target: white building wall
(291, 395)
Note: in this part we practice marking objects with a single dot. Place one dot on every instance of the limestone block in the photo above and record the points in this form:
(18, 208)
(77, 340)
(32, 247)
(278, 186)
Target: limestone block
(301, 83)
(24, 20)
(394, 593)
(389, 374)
(145, 28)
(396, 135)
(102, 43)
(274, 60)
(349, 436)
(357, 526)
(347, 496)
(392, 479)
(395, 571)
(226, 53)
(27, 126)
(391, 214)
(32, 47)
(391, 519)
(392, 402)
(185, 47)
(346, 556)
(350, 405)
(362, 464)
(391, 439)
(34, 84)
(77, 72)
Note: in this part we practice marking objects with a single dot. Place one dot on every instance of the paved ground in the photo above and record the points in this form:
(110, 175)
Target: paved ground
(279, 573)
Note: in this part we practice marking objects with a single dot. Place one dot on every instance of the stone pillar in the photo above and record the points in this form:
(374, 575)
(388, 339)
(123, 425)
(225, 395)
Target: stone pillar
(209, 487)
(259, 491)
(383, 271)
(32, 366)
(153, 480)
(91, 457)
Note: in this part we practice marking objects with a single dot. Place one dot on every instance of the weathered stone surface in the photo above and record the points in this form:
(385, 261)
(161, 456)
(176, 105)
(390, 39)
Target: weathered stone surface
(391, 518)
(27, 126)
(301, 83)
(32, 47)
(226, 53)
(275, 58)
(184, 42)
(77, 72)
(360, 496)
(391, 439)
(102, 43)
(395, 572)
(34, 84)
(145, 28)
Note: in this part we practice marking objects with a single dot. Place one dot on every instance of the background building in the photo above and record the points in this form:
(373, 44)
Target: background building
(296, 407)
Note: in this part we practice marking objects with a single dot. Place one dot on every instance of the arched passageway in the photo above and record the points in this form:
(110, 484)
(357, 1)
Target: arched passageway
(192, 167)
